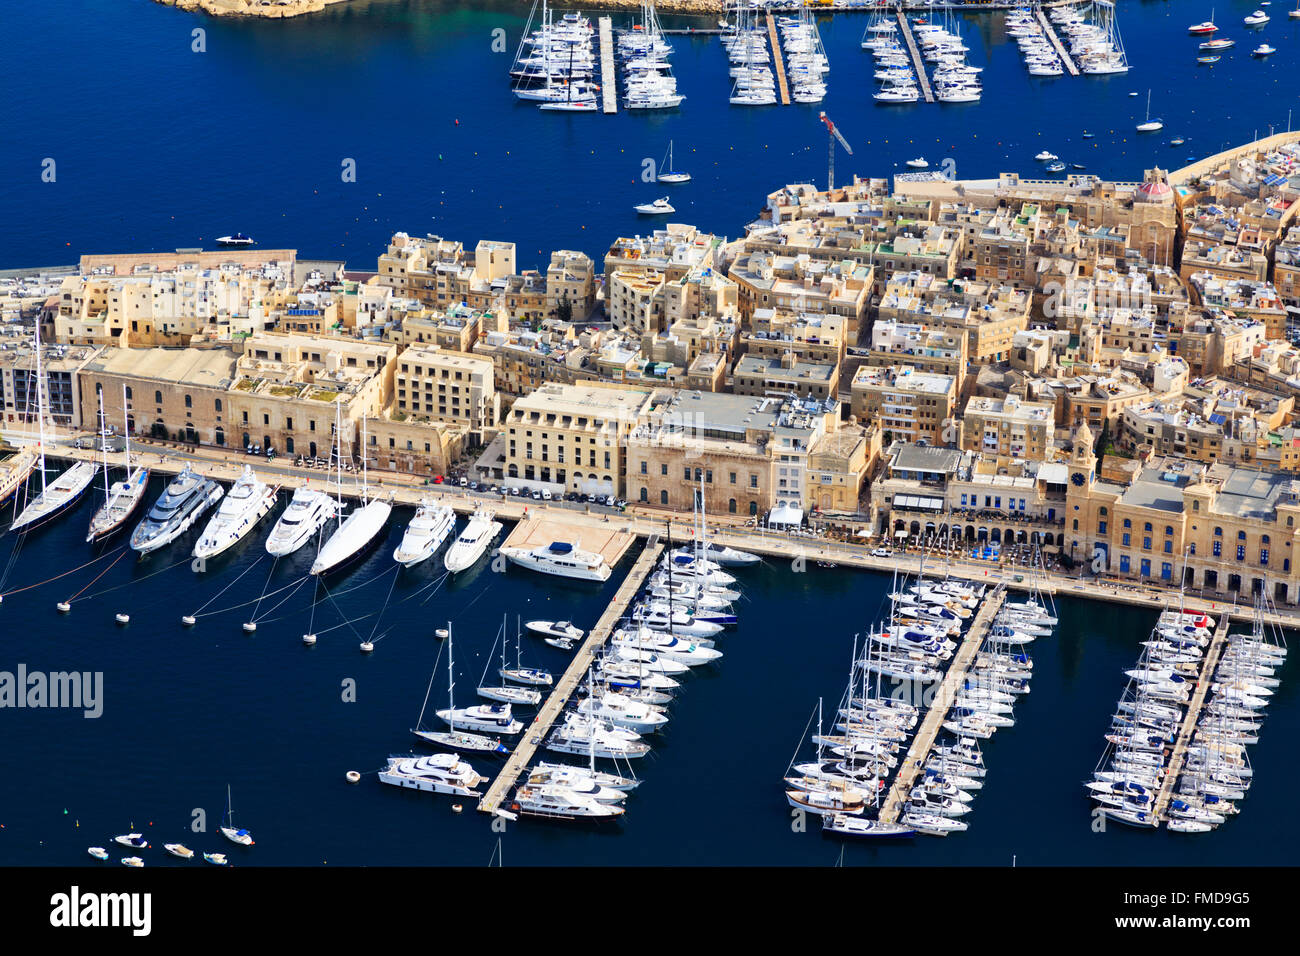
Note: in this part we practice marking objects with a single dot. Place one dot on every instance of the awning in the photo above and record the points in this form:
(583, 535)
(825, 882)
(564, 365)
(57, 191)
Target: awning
(918, 503)
(785, 514)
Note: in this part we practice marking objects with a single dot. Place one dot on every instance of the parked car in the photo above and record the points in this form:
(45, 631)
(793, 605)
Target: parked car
(882, 553)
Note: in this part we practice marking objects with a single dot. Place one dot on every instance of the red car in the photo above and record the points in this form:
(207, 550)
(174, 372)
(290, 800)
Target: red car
(437, 479)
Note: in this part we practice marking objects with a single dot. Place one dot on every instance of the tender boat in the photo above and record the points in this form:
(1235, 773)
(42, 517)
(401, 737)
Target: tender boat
(660, 207)
(472, 541)
(98, 852)
(918, 163)
(217, 859)
(132, 861)
(135, 841)
(247, 503)
(425, 534)
(562, 560)
(180, 506)
(308, 512)
(439, 773)
(179, 850)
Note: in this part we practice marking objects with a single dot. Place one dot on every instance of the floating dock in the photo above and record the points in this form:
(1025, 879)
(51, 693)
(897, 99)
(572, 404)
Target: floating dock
(1194, 707)
(1066, 60)
(535, 734)
(934, 716)
(608, 81)
(922, 80)
(538, 529)
(778, 61)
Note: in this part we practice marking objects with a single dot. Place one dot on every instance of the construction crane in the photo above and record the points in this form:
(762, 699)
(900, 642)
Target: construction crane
(834, 134)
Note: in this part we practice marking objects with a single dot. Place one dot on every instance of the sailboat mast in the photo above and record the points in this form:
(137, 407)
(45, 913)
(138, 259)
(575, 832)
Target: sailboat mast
(126, 432)
(451, 682)
(40, 405)
(103, 439)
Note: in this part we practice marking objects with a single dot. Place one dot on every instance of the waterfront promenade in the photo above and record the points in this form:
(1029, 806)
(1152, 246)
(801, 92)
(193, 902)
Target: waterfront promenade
(802, 550)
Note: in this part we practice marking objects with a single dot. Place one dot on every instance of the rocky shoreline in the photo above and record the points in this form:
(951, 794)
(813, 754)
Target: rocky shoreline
(268, 9)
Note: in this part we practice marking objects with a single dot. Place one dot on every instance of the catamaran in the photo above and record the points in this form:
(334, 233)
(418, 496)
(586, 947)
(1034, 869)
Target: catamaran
(308, 512)
(425, 534)
(247, 503)
(180, 506)
(122, 497)
(473, 541)
(359, 530)
(59, 495)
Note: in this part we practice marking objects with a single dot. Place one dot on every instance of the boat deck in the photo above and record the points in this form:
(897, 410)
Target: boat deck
(608, 82)
(778, 61)
(938, 710)
(922, 79)
(568, 683)
(537, 529)
(1194, 706)
(1050, 31)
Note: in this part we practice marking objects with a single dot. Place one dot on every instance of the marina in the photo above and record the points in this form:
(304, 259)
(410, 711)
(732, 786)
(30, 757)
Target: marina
(778, 61)
(608, 83)
(1049, 32)
(905, 28)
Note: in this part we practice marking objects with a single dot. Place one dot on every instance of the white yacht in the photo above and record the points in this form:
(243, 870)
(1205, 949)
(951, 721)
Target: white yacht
(308, 512)
(552, 800)
(229, 830)
(561, 559)
(438, 773)
(488, 718)
(579, 780)
(180, 506)
(557, 773)
(667, 175)
(425, 534)
(660, 207)
(719, 555)
(247, 503)
(580, 734)
(122, 497)
(563, 629)
(358, 531)
(473, 541)
(622, 711)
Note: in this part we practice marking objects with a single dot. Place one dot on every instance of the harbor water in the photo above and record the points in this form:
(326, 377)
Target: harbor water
(156, 146)
(187, 711)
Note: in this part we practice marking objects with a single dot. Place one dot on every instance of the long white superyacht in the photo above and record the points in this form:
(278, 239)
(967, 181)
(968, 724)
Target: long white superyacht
(308, 512)
(561, 559)
(122, 497)
(359, 530)
(436, 773)
(425, 534)
(565, 803)
(473, 541)
(247, 503)
(180, 506)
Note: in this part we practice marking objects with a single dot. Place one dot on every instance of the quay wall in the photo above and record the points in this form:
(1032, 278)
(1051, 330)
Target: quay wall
(1211, 163)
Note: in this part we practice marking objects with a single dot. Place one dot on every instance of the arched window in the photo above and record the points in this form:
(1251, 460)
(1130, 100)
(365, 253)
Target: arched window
(753, 507)
(1102, 511)
(1147, 526)
(1128, 523)
(218, 405)
(663, 497)
(1263, 539)
(189, 402)
(645, 494)
(219, 437)
(1241, 536)
(731, 506)
(157, 398)
(1169, 529)
(288, 445)
(1218, 532)
(128, 393)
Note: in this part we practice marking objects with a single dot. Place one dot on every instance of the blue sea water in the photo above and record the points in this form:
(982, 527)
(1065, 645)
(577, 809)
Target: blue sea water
(188, 711)
(158, 147)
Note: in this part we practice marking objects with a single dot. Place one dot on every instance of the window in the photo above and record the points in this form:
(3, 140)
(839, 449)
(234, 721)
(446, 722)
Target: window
(1147, 526)
(1146, 567)
(1218, 549)
(189, 402)
(1127, 539)
(157, 398)
(1169, 547)
(663, 497)
(218, 405)
(1169, 529)
(1263, 556)
(1146, 544)
(1101, 527)
(1241, 536)
(1191, 548)
(645, 494)
(644, 465)
(1241, 552)
(1128, 523)
(731, 506)
(128, 393)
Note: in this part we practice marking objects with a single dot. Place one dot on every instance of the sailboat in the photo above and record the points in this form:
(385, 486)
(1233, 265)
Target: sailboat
(670, 176)
(506, 693)
(454, 739)
(493, 718)
(228, 829)
(1151, 125)
(122, 497)
(57, 496)
(360, 529)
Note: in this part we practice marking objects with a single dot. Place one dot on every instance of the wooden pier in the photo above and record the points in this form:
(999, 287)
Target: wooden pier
(535, 734)
(608, 78)
(922, 80)
(778, 61)
(938, 710)
(1066, 60)
(1194, 707)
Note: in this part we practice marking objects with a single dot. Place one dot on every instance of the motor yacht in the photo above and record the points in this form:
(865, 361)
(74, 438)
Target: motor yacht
(182, 503)
(473, 541)
(308, 512)
(247, 503)
(425, 534)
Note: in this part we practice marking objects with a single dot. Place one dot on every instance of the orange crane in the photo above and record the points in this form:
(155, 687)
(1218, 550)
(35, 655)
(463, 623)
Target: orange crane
(834, 134)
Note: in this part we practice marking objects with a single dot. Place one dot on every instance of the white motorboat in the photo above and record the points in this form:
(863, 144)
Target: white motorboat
(1263, 50)
(247, 503)
(135, 841)
(660, 616)
(561, 559)
(718, 554)
(216, 859)
(182, 503)
(660, 207)
(1256, 19)
(580, 734)
(562, 629)
(918, 163)
(238, 239)
(438, 773)
(856, 826)
(98, 852)
(622, 711)
(122, 498)
(134, 861)
(579, 780)
(308, 512)
(495, 718)
(179, 850)
(472, 542)
(425, 534)
(559, 771)
(563, 803)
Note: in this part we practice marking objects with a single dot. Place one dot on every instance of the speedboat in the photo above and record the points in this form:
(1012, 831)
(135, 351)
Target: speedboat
(57, 496)
(308, 512)
(562, 629)
(561, 559)
(918, 163)
(184, 501)
(238, 239)
(425, 534)
(132, 861)
(353, 537)
(473, 541)
(98, 852)
(564, 803)
(1263, 50)
(217, 859)
(1045, 156)
(1203, 29)
(247, 503)
(1056, 167)
(439, 773)
(180, 850)
(660, 207)
(1256, 19)
(135, 841)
